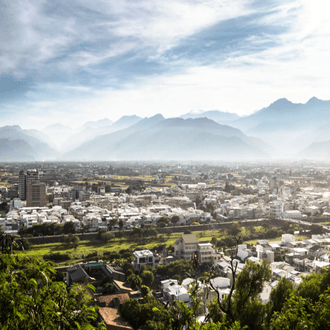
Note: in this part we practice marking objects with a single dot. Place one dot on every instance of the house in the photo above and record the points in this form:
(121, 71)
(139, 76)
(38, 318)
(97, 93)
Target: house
(188, 245)
(145, 257)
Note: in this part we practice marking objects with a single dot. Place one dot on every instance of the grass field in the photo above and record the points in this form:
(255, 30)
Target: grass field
(87, 247)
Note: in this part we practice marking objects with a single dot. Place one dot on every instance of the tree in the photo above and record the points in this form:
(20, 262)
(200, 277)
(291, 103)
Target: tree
(112, 223)
(168, 233)
(235, 229)
(175, 219)
(31, 299)
(121, 224)
(71, 240)
(145, 290)
(106, 237)
(316, 229)
(135, 281)
(75, 242)
(278, 296)
(69, 228)
(147, 277)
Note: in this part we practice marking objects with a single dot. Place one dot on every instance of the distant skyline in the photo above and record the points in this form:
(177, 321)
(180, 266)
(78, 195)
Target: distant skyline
(71, 62)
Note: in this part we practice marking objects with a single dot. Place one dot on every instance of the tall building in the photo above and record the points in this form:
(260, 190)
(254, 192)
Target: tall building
(22, 186)
(35, 190)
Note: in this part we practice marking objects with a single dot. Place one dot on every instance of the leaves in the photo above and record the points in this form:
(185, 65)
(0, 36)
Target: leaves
(30, 299)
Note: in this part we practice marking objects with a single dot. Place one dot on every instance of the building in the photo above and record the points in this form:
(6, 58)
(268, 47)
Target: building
(188, 245)
(35, 190)
(22, 186)
(144, 257)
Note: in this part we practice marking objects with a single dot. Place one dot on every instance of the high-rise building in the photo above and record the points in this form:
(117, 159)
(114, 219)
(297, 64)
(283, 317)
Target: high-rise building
(35, 190)
(22, 186)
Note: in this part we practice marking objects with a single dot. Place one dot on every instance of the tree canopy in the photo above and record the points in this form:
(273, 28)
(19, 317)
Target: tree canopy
(30, 298)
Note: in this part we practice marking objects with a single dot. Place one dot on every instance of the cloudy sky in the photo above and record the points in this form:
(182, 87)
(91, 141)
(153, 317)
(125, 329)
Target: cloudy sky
(74, 61)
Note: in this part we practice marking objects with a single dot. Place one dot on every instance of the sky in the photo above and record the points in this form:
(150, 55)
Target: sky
(73, 61)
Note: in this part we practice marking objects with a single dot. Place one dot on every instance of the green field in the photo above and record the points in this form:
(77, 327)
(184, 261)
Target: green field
(117, 244)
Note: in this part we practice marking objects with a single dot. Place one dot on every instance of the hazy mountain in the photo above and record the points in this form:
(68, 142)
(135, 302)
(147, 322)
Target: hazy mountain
(317, 151)
(89, 133)
(35, 148)
(41, 136)
(84, 135)
(15, 151)
(321, 134)
(216, 115)
(125, 121)
(283, 122)
(97, 124)
(157, 138)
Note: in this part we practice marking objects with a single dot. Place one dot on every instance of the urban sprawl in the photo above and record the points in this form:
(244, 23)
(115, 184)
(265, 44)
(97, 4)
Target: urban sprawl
(279, 213)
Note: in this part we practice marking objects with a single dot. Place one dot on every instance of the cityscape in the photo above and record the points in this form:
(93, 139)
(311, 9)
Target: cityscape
(166, 214)
(164, 165)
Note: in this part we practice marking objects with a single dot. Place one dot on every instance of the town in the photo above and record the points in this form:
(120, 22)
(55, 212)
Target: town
(278, 213)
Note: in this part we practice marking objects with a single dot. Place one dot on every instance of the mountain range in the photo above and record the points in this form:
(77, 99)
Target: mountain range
(281, 130)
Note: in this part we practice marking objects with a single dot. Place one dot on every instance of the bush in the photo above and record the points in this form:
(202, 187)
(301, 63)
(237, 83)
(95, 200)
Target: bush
(57, 256)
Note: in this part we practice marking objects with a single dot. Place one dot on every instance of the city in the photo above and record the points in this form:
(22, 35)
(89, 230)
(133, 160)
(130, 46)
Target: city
(252, 212)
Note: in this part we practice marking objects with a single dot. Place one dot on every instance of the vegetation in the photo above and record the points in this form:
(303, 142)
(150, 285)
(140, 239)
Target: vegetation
(306, 307)
(31, 298)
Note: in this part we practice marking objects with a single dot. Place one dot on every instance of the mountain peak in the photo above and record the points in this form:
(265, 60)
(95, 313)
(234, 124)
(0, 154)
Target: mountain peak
(313, 100)
(149, 121)
(280, 103)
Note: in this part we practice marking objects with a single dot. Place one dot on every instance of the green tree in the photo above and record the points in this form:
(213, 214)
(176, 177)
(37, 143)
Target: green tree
(175, 219)
(121, 224)
(145, 290)
(112, 223)
(75, 242)
(135, 281)
(31, 299)
(69, 227)
(106, 237)
(147, 277)
(278, 297)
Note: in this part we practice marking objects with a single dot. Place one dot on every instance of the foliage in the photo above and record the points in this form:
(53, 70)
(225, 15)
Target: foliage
(69, 228)
(71, 240)
(180, 268)
(144, 315)
(31, 299)
(145, 290)
(135, 281)
(10, 242)
(147, 277)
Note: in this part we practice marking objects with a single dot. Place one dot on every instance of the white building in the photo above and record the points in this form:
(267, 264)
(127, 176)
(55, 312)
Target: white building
(144, 257)
(188, 245)
(292, 214)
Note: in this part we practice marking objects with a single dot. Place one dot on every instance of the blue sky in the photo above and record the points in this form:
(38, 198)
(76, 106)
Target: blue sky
(75, 61)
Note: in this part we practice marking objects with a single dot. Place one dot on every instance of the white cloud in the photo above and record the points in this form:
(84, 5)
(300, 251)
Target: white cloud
(295, 66)
(35, 37)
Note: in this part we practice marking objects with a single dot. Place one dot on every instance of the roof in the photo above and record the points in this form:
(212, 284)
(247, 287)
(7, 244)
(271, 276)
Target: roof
(77, 273)
(189, 238)
(111, 316)
(108, 298)
(315, 248)
(122, 286)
